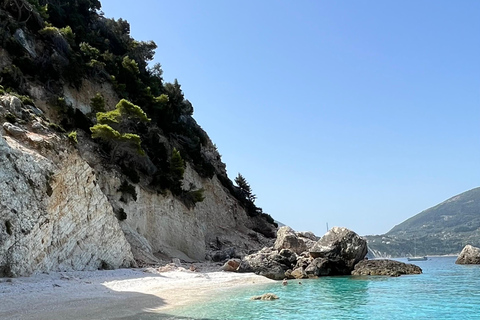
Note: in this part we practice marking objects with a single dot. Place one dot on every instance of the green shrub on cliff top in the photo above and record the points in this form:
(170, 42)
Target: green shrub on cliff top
(111, 127)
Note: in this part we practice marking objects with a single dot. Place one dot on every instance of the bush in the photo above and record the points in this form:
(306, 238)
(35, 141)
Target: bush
(191, 197)
(72, 136)
(98, 103)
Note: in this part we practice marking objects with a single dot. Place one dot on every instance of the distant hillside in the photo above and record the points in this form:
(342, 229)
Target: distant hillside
(442, 229)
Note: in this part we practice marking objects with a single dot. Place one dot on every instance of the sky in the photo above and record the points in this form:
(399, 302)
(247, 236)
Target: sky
(357, 114)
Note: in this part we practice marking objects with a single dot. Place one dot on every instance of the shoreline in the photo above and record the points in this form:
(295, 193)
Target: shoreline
(115, 294)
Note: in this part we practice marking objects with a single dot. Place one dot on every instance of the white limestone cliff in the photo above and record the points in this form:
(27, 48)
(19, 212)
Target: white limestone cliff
(58, 204)
(53, 215)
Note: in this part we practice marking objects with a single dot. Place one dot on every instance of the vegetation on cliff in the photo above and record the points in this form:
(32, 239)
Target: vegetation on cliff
(72, 40)
(443, 229)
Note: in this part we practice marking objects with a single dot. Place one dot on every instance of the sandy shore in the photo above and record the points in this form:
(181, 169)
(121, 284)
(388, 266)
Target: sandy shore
(117, 294)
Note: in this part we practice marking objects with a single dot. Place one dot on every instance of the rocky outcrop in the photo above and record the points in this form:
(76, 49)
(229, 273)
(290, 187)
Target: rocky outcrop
(269, 263)
(342, 248)
(336, 253)
(298, 242)
(384, 267)
(469, 255)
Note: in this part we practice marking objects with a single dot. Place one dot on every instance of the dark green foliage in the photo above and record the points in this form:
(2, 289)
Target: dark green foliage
(193, 196)
(177, 165)
(269, 219)
(129, 170)
(111, 127)
(98, 103)
(10, 118)
(245, 188)
(127, 190)
(74, 41)
(12, 77)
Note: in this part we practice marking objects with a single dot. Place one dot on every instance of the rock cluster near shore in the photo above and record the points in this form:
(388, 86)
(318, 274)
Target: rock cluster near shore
(469, 255)
(300, 255)
(297, 255)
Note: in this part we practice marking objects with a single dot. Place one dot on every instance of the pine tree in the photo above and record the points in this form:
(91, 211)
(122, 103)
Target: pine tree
(111, 127)
(245, 188)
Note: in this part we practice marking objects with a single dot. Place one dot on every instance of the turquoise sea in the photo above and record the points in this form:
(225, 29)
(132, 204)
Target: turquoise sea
(444, 291)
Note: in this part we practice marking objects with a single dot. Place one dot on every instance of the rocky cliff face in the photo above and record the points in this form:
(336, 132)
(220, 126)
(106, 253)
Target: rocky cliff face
(53, 213)
(59, 203)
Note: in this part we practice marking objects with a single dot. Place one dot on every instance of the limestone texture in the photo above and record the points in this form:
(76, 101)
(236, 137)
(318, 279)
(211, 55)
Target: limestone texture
(54, 215)
(469, 255)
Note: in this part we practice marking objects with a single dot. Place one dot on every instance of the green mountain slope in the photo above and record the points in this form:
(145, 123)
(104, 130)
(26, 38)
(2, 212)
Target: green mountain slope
(442, 229)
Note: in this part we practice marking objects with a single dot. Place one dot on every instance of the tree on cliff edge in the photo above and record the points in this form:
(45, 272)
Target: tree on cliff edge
(245, 188)
(112, 126)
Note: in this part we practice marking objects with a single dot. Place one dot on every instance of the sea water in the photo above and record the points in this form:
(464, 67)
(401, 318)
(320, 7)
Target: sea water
(444, 291)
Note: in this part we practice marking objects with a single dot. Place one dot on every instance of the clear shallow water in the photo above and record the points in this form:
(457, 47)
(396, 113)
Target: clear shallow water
(444, 291)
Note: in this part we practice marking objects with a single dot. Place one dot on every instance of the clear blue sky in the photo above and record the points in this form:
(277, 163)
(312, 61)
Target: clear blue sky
(356, 113)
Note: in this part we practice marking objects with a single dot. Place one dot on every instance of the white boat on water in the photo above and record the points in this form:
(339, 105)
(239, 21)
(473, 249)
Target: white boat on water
(415, 257)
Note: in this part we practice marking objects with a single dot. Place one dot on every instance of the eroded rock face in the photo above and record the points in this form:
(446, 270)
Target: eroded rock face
(384, 267)
(217, 228)
(342, 247)
(59, 204)
(288, 239)
(298, 242)
(469, 255)
(54, 216)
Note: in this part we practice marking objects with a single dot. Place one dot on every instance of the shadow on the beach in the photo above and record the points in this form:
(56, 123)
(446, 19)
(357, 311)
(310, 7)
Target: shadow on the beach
(72, 298)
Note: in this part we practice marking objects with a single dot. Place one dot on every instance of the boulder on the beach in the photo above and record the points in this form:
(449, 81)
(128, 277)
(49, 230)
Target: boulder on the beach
(298, 273)
(342, 248)
(298, 242)
(469, 255)
(384, 267)
(231, 265)
(269, 263)
(321, 267)
(265, 296)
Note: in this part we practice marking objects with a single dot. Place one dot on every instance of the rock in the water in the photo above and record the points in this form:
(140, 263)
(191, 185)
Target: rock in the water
(269, 263)
(231, 265)
(384, 267)
(265, 296)
(298, 273)
(469, 255)
(342, 248)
